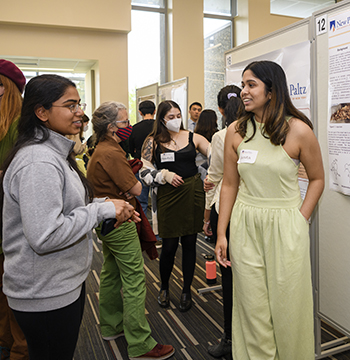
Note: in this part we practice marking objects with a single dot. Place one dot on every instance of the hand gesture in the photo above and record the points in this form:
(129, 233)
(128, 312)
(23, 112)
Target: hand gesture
(207, 230)
(208, 185)
(123, 211)
(127, 195)
(177, 181)
(221, 252)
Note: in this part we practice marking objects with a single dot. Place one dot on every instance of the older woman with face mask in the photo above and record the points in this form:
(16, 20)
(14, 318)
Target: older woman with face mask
(111, 176)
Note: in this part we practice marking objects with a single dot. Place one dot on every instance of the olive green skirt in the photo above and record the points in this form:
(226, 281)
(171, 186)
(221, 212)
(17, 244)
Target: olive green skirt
(180, 209)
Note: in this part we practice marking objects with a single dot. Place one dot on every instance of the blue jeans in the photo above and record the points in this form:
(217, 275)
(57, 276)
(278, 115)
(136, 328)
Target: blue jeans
(143, 198)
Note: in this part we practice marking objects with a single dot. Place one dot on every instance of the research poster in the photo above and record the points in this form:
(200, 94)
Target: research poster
(339, 102)
(295, 61)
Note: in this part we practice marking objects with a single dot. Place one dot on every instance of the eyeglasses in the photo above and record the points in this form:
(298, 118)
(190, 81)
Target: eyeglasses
(123, 122)
(73, 108)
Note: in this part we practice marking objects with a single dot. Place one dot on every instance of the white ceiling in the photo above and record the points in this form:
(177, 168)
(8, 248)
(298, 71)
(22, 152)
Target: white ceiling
(298, 8)
(46, 64)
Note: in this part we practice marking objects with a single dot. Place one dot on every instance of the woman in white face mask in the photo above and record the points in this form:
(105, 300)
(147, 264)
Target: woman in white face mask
(168, 157)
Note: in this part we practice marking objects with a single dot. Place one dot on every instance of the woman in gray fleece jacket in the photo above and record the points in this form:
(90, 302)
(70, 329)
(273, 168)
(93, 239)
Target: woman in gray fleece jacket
(47, 220)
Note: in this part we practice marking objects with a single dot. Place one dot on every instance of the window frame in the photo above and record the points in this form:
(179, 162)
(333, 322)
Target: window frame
(163, 44)
(231, 17)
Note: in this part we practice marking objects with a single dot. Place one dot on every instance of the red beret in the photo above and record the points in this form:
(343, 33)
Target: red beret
(11, 71)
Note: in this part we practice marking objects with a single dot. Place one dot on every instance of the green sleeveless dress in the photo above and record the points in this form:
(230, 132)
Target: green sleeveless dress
(270, 255)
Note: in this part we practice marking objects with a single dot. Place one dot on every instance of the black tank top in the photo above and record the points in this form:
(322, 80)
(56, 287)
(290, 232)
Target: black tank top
(183, 162)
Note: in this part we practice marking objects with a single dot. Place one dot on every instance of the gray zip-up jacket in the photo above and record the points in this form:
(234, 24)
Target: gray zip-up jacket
(47, 227)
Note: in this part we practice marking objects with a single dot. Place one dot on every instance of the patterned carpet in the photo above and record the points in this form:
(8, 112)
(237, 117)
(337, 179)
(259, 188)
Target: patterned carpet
(190, 333)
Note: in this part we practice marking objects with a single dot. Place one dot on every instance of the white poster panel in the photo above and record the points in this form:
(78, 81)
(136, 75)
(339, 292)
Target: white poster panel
(339, 102)
(295, 61)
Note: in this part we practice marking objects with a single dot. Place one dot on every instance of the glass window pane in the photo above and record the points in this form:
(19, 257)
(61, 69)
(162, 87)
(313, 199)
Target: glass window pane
(29, 74)
(217, 40)
(300, 9)
(217, 7)
(144, 46)
(78, 79)
(149, 3)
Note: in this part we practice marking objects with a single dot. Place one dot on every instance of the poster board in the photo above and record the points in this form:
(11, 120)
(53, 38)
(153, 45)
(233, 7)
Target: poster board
(330, 229)
(334, 207)
(281, 46)
(177, 91)
(290, 35)
(149, 92)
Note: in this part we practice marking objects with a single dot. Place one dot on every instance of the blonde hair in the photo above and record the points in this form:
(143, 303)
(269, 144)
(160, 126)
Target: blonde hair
(10, 106)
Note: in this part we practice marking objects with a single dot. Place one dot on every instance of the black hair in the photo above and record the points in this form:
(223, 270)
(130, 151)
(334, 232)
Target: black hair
(196, 103)
(229, 100)
(277, 108)
(147, 107)
(43, 91)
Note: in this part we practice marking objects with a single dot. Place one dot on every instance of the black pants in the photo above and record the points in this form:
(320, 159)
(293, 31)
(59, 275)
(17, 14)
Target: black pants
(226, 275)
(167, 257)
(52, 335)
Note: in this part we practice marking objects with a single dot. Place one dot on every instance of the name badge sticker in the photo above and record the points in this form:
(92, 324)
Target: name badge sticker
(167, 157)
(247, 156)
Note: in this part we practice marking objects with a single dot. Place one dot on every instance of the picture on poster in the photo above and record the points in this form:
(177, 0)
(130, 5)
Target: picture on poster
(339, 102)
(340, 113)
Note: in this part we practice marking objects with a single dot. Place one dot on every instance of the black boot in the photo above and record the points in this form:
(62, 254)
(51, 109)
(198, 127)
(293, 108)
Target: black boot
(223, 348)
(185, 302)
(163, 298)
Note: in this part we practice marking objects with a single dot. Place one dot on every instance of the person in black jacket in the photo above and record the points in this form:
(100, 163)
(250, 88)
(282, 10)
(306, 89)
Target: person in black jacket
(140, 131)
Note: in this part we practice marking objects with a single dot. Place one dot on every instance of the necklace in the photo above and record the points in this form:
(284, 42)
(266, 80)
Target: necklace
(173, 143)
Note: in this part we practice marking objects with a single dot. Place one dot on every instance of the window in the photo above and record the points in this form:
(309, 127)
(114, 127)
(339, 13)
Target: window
(149, 3)
(218, 7)
(78, 79)
(218, 18)
(146, 44)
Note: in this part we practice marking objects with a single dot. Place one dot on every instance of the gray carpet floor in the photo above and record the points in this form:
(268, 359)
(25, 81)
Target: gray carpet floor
(190, 333)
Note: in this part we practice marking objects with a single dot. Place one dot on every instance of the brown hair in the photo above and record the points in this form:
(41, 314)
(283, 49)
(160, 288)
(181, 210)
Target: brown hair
(207, 124)
(10, 106)
(160, 133)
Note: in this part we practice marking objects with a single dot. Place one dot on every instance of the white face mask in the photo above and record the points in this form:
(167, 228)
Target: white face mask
(173, 125)
(86, 128)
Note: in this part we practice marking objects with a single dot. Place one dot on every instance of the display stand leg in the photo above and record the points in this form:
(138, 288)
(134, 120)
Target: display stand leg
(210, 288)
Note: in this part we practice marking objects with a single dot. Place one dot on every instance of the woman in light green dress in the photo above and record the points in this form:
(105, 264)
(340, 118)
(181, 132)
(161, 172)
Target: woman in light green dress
(269, 240)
